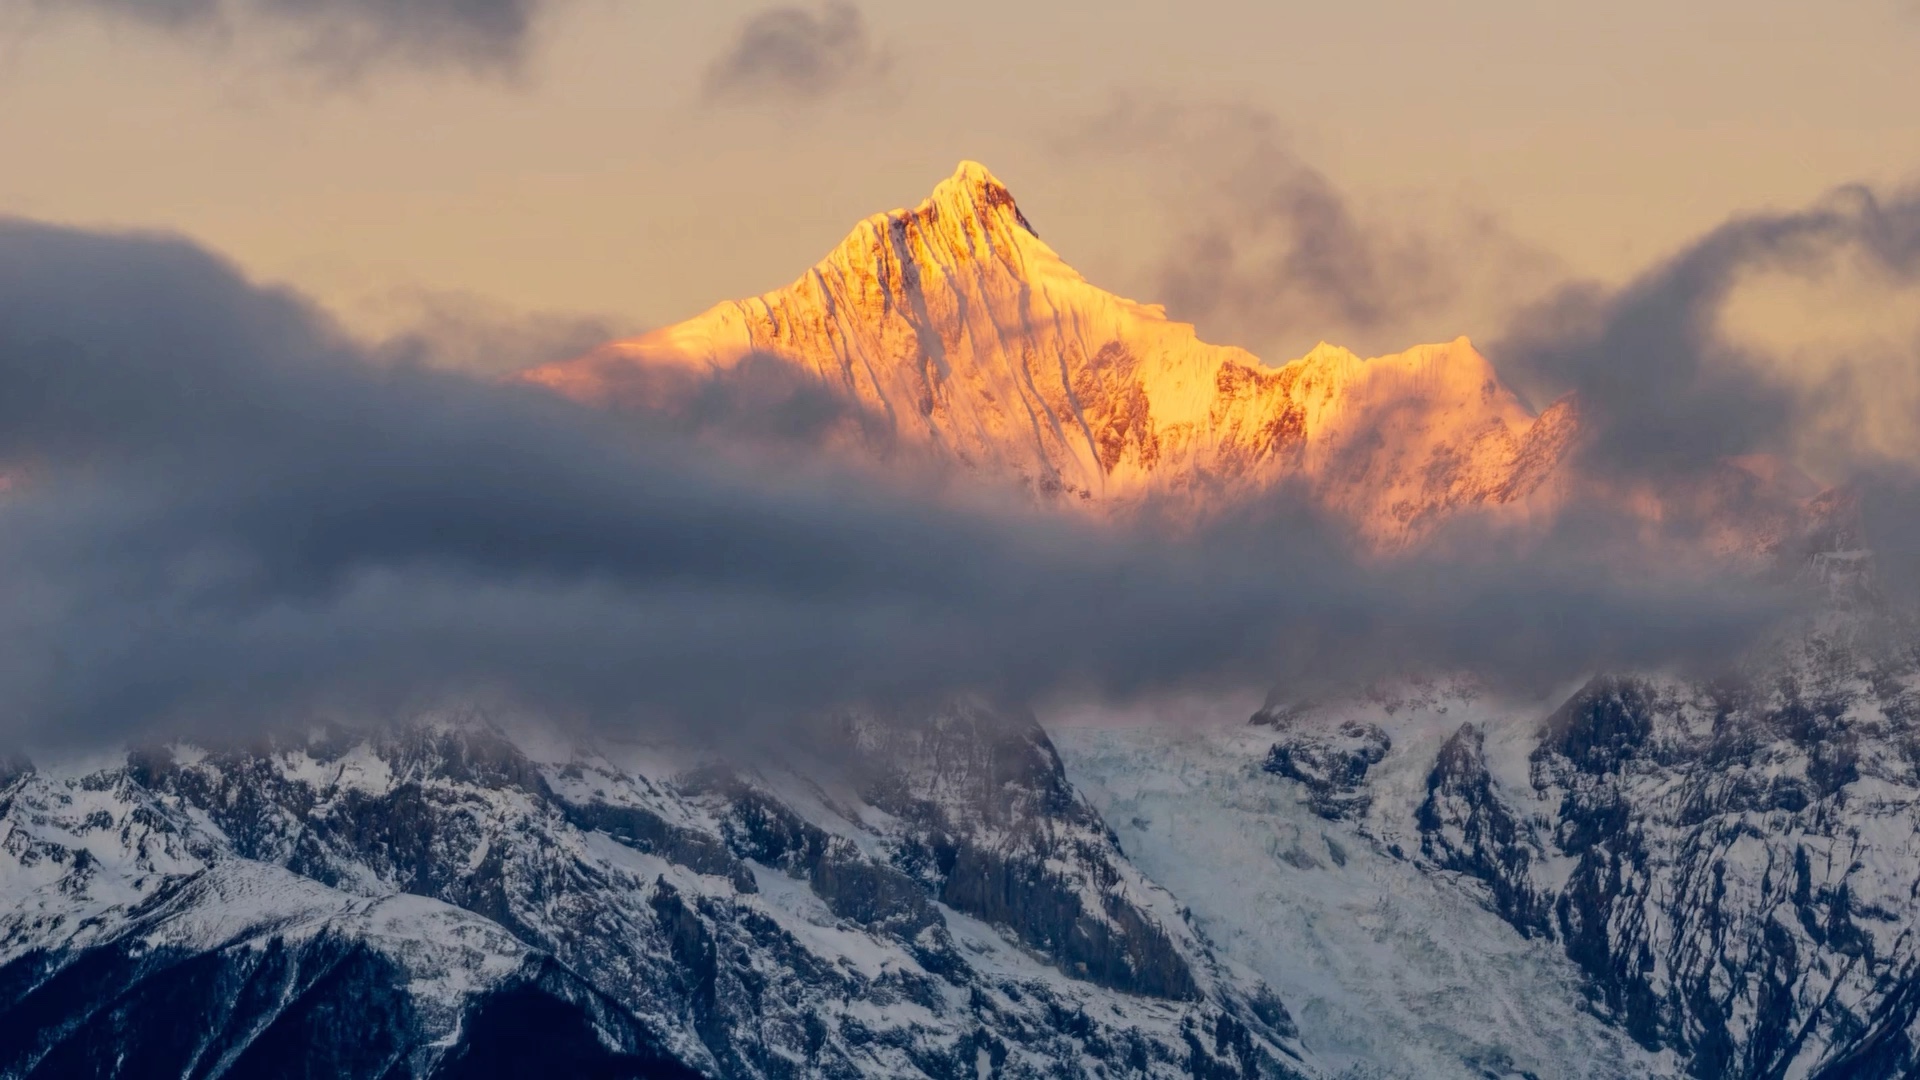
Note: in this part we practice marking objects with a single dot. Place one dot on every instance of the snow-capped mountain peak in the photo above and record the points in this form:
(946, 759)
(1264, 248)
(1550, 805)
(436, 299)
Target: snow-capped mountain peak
(958, 328)
(974, 191)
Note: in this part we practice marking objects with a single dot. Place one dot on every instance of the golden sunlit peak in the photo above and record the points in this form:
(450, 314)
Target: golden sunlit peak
(972, 172)
(974, 189)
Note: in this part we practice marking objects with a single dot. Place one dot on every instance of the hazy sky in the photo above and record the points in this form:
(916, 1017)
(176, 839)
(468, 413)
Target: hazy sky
(638, 161)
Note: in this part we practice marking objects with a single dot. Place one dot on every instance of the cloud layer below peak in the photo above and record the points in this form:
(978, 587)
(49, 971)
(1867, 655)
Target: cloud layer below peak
(224, 512)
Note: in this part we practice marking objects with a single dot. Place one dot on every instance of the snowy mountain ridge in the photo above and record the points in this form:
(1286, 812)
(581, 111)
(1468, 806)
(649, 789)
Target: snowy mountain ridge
(443, 900)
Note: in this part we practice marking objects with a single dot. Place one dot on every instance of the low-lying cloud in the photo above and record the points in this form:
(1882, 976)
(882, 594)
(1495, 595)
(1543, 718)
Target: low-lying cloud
(797, 54)
(223, 512)
(465, 331)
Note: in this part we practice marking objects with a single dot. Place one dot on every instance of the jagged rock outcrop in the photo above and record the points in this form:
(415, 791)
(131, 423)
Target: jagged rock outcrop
(1331, 763)
(1466, 827)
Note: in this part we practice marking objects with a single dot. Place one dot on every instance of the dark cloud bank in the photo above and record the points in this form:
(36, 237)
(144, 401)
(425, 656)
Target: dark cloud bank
(223, 512)
(343, 36)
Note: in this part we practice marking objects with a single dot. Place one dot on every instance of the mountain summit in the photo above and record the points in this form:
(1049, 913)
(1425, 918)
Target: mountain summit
(958, 327)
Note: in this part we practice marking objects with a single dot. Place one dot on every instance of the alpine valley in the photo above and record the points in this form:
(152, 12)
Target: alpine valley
(1637, 875)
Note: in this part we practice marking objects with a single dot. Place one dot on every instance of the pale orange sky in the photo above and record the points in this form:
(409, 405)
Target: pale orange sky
(600, 181)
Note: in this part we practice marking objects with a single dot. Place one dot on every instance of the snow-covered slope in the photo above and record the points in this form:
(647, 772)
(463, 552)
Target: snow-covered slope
(958, 327)
(1391, 970)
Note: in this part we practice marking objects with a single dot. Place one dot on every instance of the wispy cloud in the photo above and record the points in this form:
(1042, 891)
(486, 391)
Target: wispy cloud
(1672, 386)
(1670, 389)
(797, 54)
(1266, 250)
(344, 38)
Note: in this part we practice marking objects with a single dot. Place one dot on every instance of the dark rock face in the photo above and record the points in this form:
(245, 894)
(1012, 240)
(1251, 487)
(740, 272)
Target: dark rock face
(348, 1013)
(1332, 764)
(1466, 828)
(998, 833)
(529, 1031)
(294, 986)
(1600, 728)
(1742, 886)
(580, 915)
